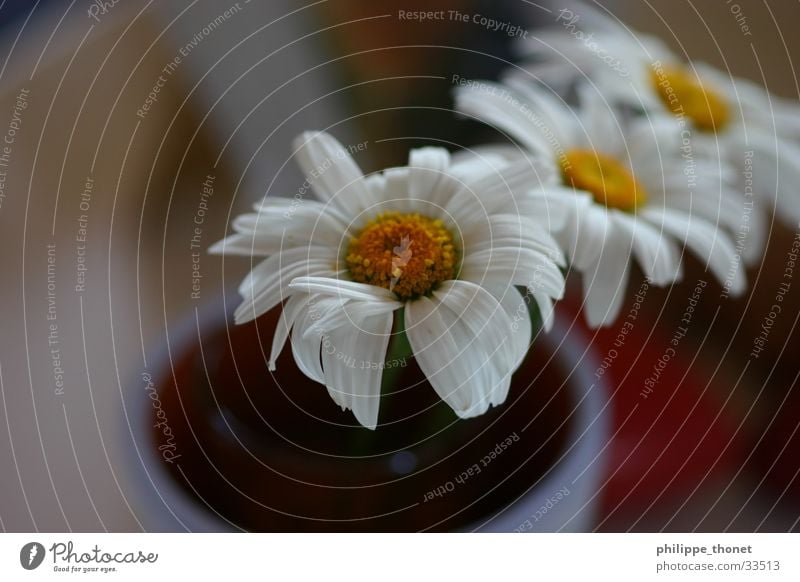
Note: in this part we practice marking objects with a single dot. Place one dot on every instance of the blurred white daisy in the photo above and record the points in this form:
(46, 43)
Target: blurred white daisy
(731, 119)
(448, 244)
(624, 183)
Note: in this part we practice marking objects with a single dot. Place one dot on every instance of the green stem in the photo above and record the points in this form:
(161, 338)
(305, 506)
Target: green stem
(399, 351)
(537, 324)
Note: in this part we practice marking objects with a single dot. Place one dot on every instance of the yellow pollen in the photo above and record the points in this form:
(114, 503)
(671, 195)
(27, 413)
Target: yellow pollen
(683, 94)
(409, 254)
(608, 181)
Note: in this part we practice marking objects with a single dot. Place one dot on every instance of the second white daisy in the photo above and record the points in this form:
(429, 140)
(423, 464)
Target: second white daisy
(626, 188)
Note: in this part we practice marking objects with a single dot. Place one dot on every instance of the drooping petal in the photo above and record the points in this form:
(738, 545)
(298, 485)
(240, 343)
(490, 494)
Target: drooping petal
(656, 252)
(755, 237)
(341, 289)
(267, 284)
(605, 283)
(305, 348)
(353, 357)
(483, 316)
(516, 307)
(456, 364)
(587, 224)
(547, 309)
(293, 308)
(711, 245)
(351, 311)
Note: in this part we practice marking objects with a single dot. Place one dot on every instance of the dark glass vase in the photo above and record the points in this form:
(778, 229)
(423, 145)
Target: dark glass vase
(260, 451)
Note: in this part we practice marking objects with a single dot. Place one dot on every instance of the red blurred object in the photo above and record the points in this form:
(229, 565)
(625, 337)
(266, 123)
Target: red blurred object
(669, 441)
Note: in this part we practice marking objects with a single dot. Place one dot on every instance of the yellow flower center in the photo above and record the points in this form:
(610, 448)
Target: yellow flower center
(409, 254)
(683, 94)
(608, 181)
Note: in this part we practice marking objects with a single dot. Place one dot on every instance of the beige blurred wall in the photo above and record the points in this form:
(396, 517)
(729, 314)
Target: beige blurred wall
(65, 445)
(751, 38)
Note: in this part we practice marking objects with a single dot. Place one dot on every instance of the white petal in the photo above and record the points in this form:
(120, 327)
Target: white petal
(246, 245)
(516, 306)
(267, 284)
(306, 350)
(294, 307)
(555, 122)
(351, 311)
(605, 283)
(352, 358)
(600, 123)
(429, 177)
(548, 207)
(282, 224)
(708, 243)
(511, 230)
(474, 163)
(497, 106)
(755, 239)
(313, 221)
(483, 316)
(341, 289)
(500, 191)
(332, 172)
(722, 209)
(265, 272)
(656, 252)
(547, 309)
(514, 266)
(454, 362)
(395, 182)
(649, 142)
(585, 229)
(778, 173)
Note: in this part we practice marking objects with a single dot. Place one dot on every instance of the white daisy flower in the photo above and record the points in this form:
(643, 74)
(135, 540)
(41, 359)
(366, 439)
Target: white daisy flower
(448, 244)
(751, 130)
(626, 190)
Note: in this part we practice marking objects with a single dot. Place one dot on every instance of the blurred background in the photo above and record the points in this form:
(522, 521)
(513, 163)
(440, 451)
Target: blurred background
(119, 112)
